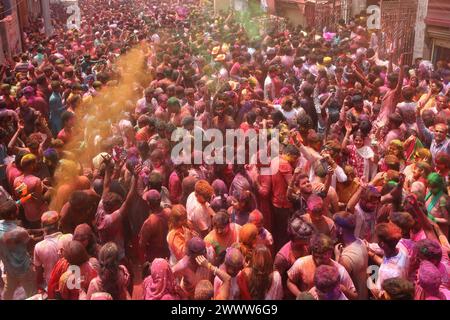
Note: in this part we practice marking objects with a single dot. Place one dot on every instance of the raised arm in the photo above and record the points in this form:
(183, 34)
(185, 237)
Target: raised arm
(401, 74)
(348, 131)
(132, 192)
(354, 199)
(423, 130)
(224, 291)
(108, 172)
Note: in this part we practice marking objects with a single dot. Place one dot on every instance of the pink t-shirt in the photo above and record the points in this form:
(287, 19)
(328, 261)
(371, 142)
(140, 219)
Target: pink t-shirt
(46, 254)
(280, 182)
(110, 228)
(175, 188)
(35, 206)
(197, 214)
(303, 270)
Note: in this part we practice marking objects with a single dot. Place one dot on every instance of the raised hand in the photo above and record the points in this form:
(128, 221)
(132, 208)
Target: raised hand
(201, 261)
(348, 126)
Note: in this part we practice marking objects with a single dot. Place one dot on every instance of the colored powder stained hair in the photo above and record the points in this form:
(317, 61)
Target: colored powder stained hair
(298, 229)
(429, 277)
(436, 180)
(326, 278)
(204, 189)
(261, 270)
(234, 257)
(109, 269)
(204, 290)
(178, 217)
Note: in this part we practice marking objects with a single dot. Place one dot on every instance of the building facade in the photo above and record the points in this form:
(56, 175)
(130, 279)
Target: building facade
(437, 36)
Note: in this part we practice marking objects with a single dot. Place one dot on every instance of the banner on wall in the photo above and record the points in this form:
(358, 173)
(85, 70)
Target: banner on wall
(11, 29)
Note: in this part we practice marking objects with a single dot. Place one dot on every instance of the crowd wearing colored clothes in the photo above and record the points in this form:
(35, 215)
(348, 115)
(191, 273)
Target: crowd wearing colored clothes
(94, 207)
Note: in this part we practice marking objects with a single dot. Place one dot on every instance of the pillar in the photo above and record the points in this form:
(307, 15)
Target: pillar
(420, 28)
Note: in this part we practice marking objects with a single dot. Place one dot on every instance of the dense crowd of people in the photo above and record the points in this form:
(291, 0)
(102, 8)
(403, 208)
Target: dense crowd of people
(94, 206)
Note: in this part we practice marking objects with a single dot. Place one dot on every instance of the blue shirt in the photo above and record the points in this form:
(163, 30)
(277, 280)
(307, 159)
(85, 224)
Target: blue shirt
(14, 256)
(435, 148)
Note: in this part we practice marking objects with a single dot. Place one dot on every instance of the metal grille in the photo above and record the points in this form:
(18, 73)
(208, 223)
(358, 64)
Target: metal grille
(327, 13)
(398, 18)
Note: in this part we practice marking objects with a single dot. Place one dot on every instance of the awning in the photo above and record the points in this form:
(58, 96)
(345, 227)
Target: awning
(438, 14)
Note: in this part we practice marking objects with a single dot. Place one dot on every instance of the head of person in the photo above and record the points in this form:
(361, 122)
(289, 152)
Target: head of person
(75, 253)
(305, 124)
(392, 79)
(332, 148)
(388, 235)
(418, 189)
(436, 87)
(68, 119)
(173, 105)
(49, 222)
(219, 108)
(429, 278)
(357, 102)
(345, 222)
(326, 281)
(370, 198)
(195, 247)
(408, 93)
(300, 232)
(204, 290)
(178, 217)
(155, 181)
(436, 183)
(148, 94)
(423, 154)
(153, 199)
(234, 261)
(256, 217)
(440, 132)
(8, 210)
(273, 71)
(442, 162)
(305, 295)
(315, 206)
(84, 234)
(291, 154)
(63, 241)
(428, 250)
(358, 139)
(397, 289)
(28, 163)
(313, 140)
(421, 169)
(395, 120)
(248, 234)
(5, 89)
(307, 90)
(404, 221)
(221, 223)
(350, 173)
(112, 202)
(261, 267)
(396, 148)
(321, 249)
(428, 117)
(304, 184)
(203, 191)
(108, 259)
(188, 123)
(442, 102)
(50, 158)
